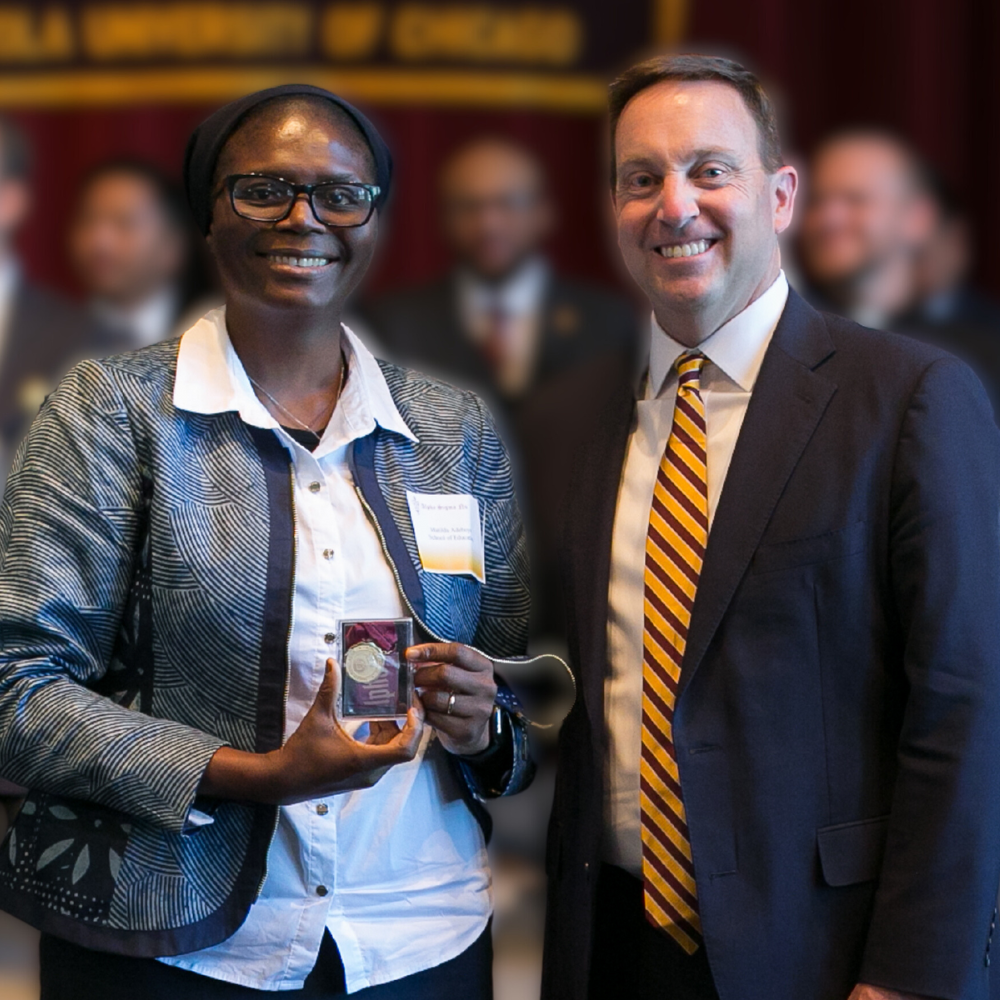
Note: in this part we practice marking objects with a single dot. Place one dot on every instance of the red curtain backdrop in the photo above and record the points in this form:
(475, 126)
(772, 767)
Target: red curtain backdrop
(67, 143)
(924, 68)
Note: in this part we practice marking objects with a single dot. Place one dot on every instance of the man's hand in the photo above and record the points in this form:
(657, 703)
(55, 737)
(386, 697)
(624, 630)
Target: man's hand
(865, 992)
(318, 759)
(457, 689)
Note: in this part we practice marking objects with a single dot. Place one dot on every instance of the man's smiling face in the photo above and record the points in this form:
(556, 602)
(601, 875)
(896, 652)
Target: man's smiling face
(698, 214)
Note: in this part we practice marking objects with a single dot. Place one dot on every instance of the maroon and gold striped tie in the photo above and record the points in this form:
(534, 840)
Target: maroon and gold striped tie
(675, 548)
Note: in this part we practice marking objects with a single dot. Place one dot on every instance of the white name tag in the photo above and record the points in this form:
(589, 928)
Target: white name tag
(449, 533)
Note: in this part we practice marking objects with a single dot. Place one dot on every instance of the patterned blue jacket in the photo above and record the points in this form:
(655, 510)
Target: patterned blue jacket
(146, 561)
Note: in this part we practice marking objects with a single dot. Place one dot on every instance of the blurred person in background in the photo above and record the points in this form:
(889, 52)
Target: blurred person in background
(504, 321)
(945, 298)
(506, 324)
(884, 242)
(867, 218)
(132, 247)
(41, 333)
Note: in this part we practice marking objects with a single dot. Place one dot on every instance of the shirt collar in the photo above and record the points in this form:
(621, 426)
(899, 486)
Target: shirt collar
(517, 295)
(737, 348)
(147, 322)
(10, 274)
(211, 379)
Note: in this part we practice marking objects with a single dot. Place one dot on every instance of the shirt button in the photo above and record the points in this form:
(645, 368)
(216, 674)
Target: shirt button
(322, 809)
(321, 890)
(330, 637)
(327, 553)
(314, 487)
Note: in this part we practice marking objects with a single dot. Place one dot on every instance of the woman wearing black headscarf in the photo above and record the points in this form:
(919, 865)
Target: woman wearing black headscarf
(185, 531)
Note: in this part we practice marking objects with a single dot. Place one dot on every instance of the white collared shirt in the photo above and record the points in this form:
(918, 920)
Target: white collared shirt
(735, 353)
(520, 299)
(397, 873)
(149, 322)
(9, 277)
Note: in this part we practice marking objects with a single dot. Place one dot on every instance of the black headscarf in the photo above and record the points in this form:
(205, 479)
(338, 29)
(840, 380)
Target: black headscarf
(210, 136)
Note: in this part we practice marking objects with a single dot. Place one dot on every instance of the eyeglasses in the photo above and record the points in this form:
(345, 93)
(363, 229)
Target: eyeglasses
(261, 198)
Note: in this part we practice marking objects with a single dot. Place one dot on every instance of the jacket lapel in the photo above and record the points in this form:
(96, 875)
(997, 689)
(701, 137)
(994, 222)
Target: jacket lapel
(362, 462)
(590, 518)
(788, 401)
(279, 590)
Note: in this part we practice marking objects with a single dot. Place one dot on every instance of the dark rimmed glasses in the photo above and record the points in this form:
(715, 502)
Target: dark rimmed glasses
(262, 198)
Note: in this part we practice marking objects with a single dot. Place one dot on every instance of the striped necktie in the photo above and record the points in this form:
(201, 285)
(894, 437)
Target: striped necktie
(675, 547)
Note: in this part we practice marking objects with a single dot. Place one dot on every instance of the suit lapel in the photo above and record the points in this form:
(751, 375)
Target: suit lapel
(546, 358)
(593, 498)
(788, 400)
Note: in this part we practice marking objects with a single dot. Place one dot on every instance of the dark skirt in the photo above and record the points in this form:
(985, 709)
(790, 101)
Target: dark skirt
(69, 972)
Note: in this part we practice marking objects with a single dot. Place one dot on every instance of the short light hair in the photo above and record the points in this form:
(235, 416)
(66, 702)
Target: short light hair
(696, 68)
(915, 170)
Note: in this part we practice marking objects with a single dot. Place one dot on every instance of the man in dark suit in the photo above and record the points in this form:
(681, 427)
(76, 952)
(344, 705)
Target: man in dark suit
(503, 320)
(137, 254)
(783, 573)
(867, 218)
(884, 242)
(506, 324)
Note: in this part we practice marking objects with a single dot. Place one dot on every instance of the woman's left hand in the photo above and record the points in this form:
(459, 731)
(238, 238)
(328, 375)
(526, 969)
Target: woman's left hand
(457, 689)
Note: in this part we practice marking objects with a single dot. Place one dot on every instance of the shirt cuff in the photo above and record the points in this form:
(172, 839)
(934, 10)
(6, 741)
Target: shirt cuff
(197, 818)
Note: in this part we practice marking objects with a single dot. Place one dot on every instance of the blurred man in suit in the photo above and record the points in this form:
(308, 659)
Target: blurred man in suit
(885, 243)
(503, 320)
(505, 323)
(945, 295)
(783, 570)
(867, 218)
(131, 245)
(40, 332)
(946, 302)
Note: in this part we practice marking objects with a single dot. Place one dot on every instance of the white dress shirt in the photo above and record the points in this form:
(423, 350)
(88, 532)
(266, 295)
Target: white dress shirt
(9, 276)
(735, 353)
(520, 299)
(398, 873)
(149, 322)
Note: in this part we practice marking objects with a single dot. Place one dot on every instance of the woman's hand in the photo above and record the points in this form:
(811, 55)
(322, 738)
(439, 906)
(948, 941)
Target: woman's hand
(457, 689)
(318, 759)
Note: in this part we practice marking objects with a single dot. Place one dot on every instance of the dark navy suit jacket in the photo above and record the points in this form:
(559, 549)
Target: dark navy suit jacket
(838, 723)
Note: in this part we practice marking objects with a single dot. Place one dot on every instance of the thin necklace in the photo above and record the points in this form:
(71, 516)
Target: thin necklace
(288, 413)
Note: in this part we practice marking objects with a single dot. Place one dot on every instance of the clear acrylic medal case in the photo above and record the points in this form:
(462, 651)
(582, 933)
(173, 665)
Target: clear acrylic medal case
(376, 682)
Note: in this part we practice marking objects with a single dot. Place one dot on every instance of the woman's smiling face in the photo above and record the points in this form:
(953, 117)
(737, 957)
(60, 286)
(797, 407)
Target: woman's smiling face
(305, 141)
